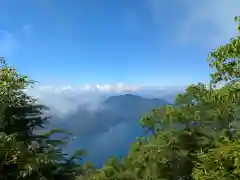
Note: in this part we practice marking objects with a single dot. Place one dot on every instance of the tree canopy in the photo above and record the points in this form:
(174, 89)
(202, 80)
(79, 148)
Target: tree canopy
(24, 152)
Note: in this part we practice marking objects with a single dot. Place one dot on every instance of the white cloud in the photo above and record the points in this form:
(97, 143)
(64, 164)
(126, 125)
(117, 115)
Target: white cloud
(7, 43)
(63, 99)
(206, 22)
(209, 22)
(67, 98)
(118, 87)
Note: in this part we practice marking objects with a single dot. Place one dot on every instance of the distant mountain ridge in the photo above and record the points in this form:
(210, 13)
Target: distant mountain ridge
(114, 110)
(132, 106)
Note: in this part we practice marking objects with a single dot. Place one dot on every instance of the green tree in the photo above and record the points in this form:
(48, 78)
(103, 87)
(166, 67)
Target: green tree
(24, 152)
(222, 161)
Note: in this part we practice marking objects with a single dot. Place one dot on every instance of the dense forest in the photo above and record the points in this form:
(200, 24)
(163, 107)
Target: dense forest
(195, 138)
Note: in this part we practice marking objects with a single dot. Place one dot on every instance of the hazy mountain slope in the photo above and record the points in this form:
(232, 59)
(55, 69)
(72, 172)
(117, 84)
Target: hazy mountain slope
(110, 128)
(132, 106)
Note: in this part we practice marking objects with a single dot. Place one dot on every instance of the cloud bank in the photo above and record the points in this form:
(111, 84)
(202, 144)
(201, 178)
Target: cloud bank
(63, 99)
(66, 98)
(206, 23)
(209, 22)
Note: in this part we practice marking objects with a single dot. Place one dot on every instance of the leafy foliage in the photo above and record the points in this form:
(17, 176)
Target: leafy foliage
(24, 152)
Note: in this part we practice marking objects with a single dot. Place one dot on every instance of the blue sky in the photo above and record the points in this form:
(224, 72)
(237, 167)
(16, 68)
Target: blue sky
(152, 42)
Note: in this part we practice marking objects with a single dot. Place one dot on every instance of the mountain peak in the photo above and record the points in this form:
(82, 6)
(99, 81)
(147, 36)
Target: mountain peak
(133, 102)
(122, 98)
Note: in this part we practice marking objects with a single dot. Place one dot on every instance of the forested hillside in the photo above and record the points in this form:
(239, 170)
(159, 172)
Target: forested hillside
(206, 146)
